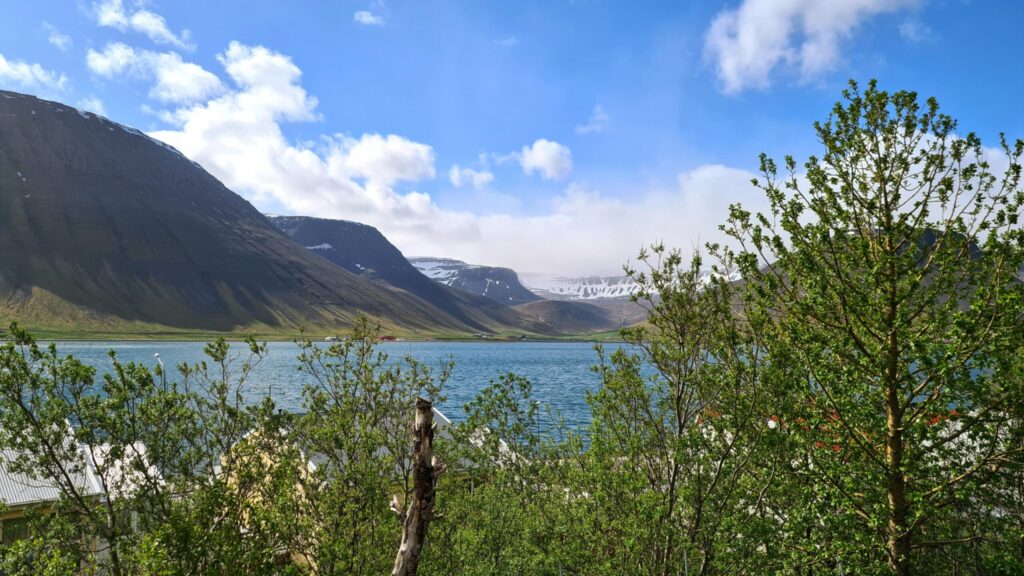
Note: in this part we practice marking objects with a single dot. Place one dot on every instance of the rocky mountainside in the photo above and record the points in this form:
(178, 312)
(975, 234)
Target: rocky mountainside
(105, 229)
(499, 284)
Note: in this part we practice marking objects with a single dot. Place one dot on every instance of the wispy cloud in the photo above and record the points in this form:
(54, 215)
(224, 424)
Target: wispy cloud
(367, 18)
(459, 177)
(747, 44)
(375, 15)
(915, 31)
(507, 42)
(599, 121)
(92, 104)
(61, 41)
(175, 80)
(22, 74)
(112, 13)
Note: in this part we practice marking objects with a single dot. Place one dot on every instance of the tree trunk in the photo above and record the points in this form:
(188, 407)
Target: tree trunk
(898, 540)
(421, 509)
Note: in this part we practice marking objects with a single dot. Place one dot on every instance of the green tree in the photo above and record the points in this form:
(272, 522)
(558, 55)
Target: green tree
(679, 423)
(888, 273)
(349, 454)
(64, 429)
(511, 495)
(158, 455)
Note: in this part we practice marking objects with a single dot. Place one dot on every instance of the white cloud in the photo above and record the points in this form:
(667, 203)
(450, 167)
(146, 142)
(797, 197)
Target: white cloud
(464, 176)
(367, 18)
(599, 122)
(552, 160)
(386, 160)
(238, 137)
(589, 232)
(21, 74)
(92, 104)
(115, 59)
(915, 31)
(748, 43)
(112, 13)
(507, 42)
(61, 41)
(174, 80)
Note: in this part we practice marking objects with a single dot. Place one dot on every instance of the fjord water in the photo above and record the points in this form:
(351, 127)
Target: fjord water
(561, 372)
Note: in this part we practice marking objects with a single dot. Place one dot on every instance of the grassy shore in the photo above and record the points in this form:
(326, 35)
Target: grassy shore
(265, 335)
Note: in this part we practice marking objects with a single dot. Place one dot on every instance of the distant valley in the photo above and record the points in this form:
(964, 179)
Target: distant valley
(463, 290)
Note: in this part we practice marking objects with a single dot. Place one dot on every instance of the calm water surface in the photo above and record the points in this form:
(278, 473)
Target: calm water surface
(560, 371)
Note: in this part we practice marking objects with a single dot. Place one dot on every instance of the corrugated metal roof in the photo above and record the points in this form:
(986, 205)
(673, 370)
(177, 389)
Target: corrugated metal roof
(18, 489)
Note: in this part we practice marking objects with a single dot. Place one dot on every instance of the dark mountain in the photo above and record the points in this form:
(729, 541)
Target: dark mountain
(358, 248)
(364, 251)
(499, 284)
(105, 229)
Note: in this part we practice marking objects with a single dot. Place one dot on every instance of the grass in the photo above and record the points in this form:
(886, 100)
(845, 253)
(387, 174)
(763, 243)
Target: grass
(49, 317)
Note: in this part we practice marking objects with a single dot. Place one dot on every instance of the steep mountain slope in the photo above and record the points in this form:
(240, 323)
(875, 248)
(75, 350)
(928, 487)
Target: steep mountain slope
(564, 317)
(356, 247)
(103, 228)
(364, 251)
(499, 284)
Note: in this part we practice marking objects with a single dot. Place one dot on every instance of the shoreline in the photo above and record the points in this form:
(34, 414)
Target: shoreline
(237, 338)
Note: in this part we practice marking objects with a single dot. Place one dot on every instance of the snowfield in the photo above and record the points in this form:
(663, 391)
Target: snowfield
(584, 288)
(443, 270)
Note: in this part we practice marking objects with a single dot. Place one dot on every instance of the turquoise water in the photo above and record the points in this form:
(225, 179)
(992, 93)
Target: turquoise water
(560, 371)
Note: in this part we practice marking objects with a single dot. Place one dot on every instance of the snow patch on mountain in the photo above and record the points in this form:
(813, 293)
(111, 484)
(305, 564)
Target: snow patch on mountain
(595, 287)
(111, 125)
(582, 288)
(443, 270)
(499, 284)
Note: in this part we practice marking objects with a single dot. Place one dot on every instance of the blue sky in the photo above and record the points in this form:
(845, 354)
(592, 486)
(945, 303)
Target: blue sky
(552, 136)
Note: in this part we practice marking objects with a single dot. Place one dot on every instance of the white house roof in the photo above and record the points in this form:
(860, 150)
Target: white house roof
(17, 489)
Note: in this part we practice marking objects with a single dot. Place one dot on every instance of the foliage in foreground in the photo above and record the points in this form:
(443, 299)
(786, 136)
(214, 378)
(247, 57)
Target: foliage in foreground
(852, 406)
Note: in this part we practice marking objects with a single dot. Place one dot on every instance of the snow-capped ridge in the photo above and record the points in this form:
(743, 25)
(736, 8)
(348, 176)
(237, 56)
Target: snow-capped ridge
(443, 270)
(494, 282)
(580, 288)
(597, 287)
